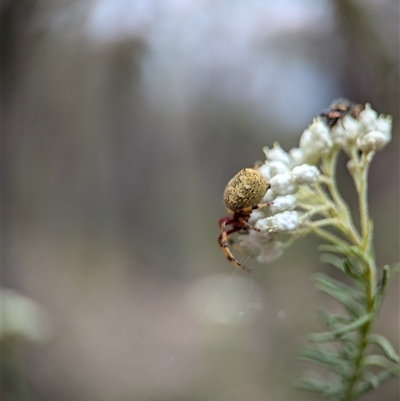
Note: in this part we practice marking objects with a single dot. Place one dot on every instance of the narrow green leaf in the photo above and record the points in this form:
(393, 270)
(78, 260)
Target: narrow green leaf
(357, 252)
(330, 360)
(337, 321)
(385, 346)
(372, 382)
(334, 390)
(335, 284)
(382, 286)
(381, 361)
(350, 297)
(333, 321)
(351, 350)
(371, 378)
(351, 270)
(333, 260)
(332, 335)
(312, 384)
(323, 317)
(334, 248)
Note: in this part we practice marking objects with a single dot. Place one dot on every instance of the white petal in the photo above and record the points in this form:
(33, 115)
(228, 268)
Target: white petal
(305, 174)
(277, 154)
(281, 203)
(283, 184)
(285, 221)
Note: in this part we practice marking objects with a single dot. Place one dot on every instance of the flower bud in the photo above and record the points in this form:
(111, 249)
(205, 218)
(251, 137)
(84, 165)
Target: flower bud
(283, 184)
(285, 221)
(277, 154)
(374, 140)
(315, 140)
(297, 156)
(368, 118)
(305, 174)
(345, 132)
(280, 222)
(281, 203)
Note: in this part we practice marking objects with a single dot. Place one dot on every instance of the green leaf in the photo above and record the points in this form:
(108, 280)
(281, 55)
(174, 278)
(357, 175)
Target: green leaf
(351, 270)
(333, 321)
(330, 360)
(332, 335)
(350, 297)
(381, 361)
(359, 254)
(371, 382)
(336, 285)
(311, 384)
(333, 260)
(385, 346)
(334, 248)
(337, 321)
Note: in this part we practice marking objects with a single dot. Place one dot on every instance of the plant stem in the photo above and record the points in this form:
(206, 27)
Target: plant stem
(329, 168)
(332, 238)
(364, 331)
(363, 205)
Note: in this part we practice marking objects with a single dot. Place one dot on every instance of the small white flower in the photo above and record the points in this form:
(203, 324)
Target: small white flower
(368, 118)
(270, 252)
(384, 124)
(285, 221)
(269, 196)
(271, 168)
(374, 140)
(255, 215)
(264, 171)
(276, 154)
(277, 167)
(264, 224)
(297, 156)
(315, 140)
(280, 222)
(345, 132)
(283, 184)
(305, 174)
(281, 203)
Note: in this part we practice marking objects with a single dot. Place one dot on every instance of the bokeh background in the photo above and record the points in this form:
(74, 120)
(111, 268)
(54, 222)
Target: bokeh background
(122, 121)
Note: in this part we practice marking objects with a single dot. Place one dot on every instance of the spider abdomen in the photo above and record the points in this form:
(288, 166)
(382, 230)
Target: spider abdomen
(247, 188)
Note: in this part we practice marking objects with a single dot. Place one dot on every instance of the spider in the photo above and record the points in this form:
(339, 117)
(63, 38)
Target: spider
(338, 109)
(242, 195)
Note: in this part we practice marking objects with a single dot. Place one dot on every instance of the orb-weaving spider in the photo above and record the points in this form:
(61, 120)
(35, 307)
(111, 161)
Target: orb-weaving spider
(242, 195)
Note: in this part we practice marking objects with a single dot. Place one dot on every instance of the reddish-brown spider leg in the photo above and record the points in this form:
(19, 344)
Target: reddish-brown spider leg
(223, 241)
(238, 220)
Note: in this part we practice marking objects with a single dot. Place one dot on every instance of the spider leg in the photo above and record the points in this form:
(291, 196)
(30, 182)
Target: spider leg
(236, 246)
(248, 211)
(260, 206)
(224, 244)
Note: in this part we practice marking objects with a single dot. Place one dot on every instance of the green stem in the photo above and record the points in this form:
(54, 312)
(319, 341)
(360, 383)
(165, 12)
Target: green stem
(329, 168)
(362, 189)
(364, 332)
(332, 238)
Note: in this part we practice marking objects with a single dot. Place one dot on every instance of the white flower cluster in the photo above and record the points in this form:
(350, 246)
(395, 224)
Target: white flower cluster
(288, 172)
(285, 176)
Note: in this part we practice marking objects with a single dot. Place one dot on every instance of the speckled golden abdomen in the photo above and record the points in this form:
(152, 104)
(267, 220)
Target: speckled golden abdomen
(247, 188)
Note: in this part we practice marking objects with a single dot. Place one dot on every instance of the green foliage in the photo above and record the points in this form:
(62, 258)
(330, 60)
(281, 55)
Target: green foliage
(305, 199)
(351, 359)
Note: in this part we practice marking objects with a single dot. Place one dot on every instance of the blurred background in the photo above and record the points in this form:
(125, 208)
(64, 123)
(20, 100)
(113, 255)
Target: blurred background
(122, 122)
